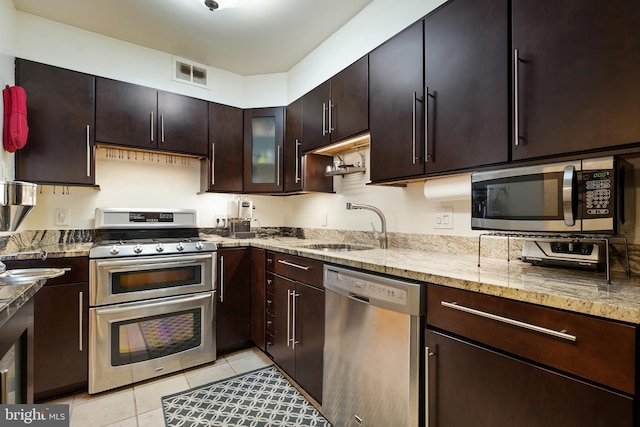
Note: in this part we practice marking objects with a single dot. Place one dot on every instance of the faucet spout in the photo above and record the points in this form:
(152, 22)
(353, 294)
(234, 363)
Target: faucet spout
(382, 236)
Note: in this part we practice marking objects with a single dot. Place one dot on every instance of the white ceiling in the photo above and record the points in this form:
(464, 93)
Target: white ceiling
(259, 37)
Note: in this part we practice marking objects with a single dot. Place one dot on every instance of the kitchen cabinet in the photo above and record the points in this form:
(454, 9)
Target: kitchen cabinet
(302, 172)
(575, 85)
(60, 145)
(396, 107)
(16, 356)
(139, 117)
(60, 341)
(338, 108)
(295, 319)
(263, 149)
(507, 374)
(258, 296)
(467, 121)
(222, 170)
(233, 307)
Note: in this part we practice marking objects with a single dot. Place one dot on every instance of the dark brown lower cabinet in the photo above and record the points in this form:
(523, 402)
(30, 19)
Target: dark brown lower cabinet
(258, 297)
(61, 321)
(470, 386)
(298, 339)
(233, 308)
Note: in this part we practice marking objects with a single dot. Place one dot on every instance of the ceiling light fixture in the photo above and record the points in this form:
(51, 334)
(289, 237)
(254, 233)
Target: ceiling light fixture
(222, 4)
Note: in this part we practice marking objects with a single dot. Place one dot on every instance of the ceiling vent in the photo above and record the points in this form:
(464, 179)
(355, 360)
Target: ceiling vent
(189, 72)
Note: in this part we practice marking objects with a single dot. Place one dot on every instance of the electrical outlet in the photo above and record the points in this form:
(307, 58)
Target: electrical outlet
(61, 216)
(443, 218)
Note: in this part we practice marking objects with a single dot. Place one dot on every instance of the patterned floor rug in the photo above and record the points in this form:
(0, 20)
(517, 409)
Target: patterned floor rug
(258, 398)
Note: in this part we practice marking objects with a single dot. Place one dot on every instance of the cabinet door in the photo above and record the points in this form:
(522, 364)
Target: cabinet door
(500, 391)
(315, 120)
(126, 114)
(281, 349)
(224, 165)
(258, 297)
(60, 103)
(396, 107)
(468, 111)
(233, 303)
(60, 339)
(349, 112)
(309, 339)
(293, 147)
(263, 149)
(578, 68)
(182, 124)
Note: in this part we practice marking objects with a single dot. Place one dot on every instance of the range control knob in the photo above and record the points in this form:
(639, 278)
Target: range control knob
(114, 250)
(137, 248)
(180, 247)
(198, 245)
(159, 247)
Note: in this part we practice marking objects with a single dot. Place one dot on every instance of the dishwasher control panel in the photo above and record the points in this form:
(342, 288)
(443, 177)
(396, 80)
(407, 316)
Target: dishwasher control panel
(378, 291)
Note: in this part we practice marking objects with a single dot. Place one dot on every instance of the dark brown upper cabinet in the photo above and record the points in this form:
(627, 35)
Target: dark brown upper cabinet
(263, 150)
(575, 76)
(466, 70)
(130, 115)
(60, 145)
(302, 172)
(338, 108)
(396, 107)
(222, 170)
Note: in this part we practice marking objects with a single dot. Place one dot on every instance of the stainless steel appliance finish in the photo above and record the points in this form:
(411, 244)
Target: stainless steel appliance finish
(17, 198)
(578, 253)
(151, 296)
(583, 196)
(372, 353)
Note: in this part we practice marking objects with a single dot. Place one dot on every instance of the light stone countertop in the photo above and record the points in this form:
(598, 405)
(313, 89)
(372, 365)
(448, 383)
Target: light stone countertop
(578, 291)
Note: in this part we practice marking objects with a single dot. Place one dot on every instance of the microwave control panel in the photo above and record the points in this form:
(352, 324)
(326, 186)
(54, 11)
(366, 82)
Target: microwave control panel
(598, 196)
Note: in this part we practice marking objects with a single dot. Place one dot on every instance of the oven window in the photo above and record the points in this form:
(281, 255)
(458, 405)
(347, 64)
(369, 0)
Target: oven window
(148, 338)
(140, 280)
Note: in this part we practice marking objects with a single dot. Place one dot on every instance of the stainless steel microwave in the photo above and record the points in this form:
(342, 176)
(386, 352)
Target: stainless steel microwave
(594, 196)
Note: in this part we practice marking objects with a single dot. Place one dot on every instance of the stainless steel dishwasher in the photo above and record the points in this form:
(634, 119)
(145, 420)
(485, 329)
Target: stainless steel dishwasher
(372, 350)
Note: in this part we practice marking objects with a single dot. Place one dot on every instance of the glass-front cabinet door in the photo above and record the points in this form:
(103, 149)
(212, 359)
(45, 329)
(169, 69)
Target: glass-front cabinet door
(263, 149)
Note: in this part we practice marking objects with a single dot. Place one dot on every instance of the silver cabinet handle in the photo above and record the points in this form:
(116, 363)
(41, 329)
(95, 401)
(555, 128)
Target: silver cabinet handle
(278, 166)
(330, 127)
(516, 90)
(513, 322)
(298, 178)
(288, 317)
(161, 127)
(80, 319)
(290, 264)
(294, 295)
(213, 163)
(88, 152)
(427, 156)
(151, 126)
(427, 353)
(567, 195)
(221, 278)
(413, 130)
(324, 120)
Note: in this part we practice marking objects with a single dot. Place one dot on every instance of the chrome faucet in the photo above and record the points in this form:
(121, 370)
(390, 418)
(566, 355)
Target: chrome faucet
(381, 236)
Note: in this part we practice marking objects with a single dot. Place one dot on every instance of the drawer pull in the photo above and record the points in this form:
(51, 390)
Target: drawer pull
(540, 329)
(290, 264)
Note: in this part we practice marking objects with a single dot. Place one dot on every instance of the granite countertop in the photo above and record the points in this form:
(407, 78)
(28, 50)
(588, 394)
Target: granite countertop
(578, 291)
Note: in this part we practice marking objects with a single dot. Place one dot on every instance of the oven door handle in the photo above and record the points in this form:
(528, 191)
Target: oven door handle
(149, 304)
(115, 267)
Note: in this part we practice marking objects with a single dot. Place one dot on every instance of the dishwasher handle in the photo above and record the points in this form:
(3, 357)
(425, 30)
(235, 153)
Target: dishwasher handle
(358, 298)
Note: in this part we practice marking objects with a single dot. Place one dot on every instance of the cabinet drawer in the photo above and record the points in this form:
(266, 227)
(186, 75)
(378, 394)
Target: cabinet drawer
(271, 330)
(78, 268)
(270, 303)
(596, 349)
(270, 282)
(302, 269)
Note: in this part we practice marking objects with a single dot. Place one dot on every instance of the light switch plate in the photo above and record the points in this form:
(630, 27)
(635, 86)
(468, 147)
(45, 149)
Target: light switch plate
(61, 216)
(443, 218)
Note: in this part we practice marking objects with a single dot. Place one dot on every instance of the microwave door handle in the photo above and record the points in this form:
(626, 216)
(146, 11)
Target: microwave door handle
(568, 195)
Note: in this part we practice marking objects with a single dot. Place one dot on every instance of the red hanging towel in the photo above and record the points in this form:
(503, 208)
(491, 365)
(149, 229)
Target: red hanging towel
(16, 129)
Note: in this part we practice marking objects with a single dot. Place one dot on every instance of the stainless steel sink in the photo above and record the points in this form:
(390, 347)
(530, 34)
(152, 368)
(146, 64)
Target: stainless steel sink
(337, 247)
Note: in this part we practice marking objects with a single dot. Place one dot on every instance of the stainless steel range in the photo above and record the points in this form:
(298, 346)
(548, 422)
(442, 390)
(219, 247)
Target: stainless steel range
(151, 296)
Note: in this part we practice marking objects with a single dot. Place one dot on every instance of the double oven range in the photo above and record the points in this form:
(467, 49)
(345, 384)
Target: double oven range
(151, 296)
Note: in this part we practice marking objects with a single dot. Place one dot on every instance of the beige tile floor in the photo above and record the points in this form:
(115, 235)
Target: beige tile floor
(139, 405)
